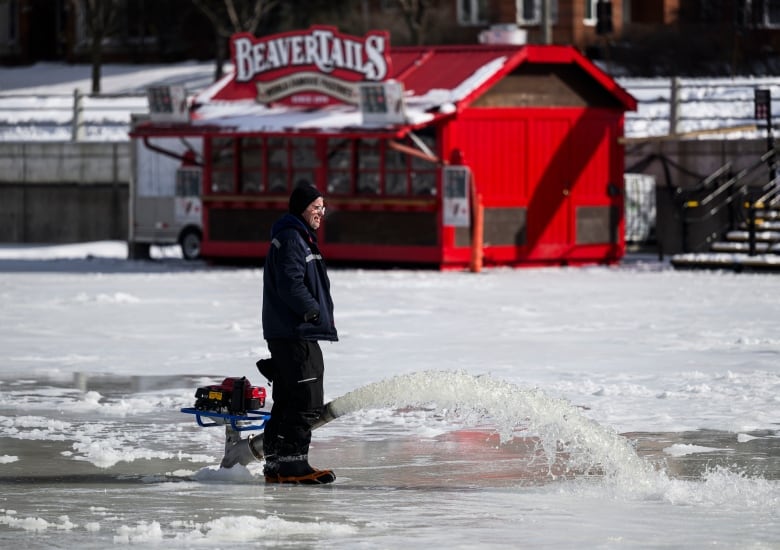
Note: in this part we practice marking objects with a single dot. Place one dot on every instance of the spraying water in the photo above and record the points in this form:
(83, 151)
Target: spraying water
(559, 427)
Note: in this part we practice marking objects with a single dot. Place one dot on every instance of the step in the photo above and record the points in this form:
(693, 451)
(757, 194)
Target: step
(770, 214)
(762, 225)
(732, 246)
(719, 260)
(762, 236)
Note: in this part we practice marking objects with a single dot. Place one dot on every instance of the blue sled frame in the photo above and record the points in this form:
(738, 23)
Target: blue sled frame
(256, 419)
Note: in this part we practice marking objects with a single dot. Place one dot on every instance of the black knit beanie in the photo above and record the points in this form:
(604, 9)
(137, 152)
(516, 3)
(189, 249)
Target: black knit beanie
(302, 196)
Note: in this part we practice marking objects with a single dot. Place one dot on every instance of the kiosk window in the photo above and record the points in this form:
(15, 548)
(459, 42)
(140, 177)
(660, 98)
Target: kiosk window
(370, 166)
(339, 166)
(424, 172)
(304, 159)
(252, 163)
(223, 165)
(277, 165)
(369, 161)
(304, 154)
(368, 183)
(396, 173)
(424, 183)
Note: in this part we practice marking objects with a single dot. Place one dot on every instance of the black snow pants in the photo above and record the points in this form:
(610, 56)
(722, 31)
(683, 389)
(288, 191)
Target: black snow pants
(298, 396)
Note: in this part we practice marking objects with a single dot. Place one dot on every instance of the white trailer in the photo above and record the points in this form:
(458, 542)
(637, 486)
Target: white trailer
(165, 195)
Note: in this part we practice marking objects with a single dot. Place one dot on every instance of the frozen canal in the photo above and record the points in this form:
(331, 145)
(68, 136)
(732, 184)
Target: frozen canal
(627, 407)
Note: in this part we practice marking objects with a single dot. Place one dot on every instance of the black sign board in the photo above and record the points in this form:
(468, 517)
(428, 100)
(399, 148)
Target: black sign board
(763, 105)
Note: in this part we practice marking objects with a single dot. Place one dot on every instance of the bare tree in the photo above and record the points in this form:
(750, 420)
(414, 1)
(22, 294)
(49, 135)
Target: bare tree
(414, 13)
(299, 14)
(100, 19)
(232, 16)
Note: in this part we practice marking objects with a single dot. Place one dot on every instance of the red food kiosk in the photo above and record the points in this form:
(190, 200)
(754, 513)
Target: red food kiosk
(408, 144)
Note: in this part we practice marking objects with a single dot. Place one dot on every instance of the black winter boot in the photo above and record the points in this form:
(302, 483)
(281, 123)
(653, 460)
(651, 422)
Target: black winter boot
(271, 467)
(296, 469)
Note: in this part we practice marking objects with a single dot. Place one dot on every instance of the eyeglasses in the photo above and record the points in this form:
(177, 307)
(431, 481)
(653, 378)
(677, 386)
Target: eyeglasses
(318, 210)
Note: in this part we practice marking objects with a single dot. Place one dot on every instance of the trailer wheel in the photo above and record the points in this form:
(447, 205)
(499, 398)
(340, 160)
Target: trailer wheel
(190, 244)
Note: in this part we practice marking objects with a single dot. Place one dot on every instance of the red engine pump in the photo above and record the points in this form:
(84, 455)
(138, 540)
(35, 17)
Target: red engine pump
(233, 396)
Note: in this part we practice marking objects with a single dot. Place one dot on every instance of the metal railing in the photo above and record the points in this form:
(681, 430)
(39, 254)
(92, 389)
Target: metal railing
(771, 198)
(668, 106)
(665, 106)
(730, 193)
(75, 117)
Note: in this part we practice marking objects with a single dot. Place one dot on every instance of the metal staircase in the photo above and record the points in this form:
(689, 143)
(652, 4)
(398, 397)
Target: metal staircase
(732, 221)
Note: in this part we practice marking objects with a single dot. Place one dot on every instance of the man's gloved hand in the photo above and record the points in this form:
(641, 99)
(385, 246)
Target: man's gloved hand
(266, 368)
(312, 316)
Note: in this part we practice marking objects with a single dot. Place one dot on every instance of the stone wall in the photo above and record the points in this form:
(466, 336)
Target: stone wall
(63, 192)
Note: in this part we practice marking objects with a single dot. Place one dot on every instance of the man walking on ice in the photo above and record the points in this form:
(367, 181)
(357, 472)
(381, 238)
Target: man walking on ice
(297, 313)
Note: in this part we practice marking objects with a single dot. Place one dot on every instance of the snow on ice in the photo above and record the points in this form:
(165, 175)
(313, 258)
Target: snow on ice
(632, 403)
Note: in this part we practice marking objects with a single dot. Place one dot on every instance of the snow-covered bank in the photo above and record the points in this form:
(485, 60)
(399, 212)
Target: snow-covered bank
(36, 102)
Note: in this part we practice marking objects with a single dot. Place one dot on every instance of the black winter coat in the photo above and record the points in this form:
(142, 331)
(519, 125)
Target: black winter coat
(296, 284)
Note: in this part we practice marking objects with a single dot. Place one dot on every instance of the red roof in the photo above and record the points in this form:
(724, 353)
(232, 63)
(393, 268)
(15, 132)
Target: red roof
(424, 68)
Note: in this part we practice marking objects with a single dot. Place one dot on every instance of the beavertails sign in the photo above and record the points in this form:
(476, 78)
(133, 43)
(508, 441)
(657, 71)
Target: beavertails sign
(314, 67)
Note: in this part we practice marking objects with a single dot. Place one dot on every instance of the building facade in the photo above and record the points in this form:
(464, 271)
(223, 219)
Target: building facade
(730, 35)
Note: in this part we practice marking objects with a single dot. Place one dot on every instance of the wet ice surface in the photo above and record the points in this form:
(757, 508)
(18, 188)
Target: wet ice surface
(411, 477)
(535, 408)
(458, 488)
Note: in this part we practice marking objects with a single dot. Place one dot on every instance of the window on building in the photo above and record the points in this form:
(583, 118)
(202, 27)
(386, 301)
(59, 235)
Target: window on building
(9, 21)
(710, 11)
(529, 12)
(759, 13)
(13, 21)
(654, 13)
(472, 12)
(771, 13)
(590, 11)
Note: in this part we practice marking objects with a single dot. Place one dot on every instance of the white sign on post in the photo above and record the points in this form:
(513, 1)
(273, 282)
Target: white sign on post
(382, 102)
(457, 189)
(168, 104)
